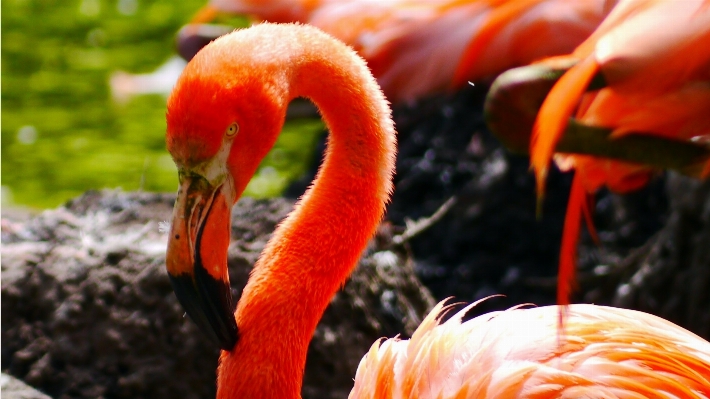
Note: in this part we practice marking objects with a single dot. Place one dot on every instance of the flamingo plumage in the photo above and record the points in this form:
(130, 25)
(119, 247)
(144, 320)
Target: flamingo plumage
(607, 353)
(419, 47)
(657, 82)
(225, 113)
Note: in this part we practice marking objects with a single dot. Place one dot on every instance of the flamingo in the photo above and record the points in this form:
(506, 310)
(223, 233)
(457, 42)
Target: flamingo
(223, 115)
(656, 82)
(419, 47)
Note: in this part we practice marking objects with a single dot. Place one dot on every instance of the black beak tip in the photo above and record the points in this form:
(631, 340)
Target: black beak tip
(213, 314)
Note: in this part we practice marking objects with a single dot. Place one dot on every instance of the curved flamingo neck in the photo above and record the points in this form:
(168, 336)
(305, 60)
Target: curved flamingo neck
(317, 246)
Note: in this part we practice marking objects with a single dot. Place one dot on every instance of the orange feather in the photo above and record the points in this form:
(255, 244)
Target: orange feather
(568, 252)
(554, 114)
(519, 32)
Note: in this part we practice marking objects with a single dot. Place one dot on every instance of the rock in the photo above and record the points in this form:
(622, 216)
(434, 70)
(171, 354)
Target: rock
(88, 310)
(12, 388)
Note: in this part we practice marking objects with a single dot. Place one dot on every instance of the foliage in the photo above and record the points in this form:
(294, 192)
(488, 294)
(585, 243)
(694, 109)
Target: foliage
(61, 131)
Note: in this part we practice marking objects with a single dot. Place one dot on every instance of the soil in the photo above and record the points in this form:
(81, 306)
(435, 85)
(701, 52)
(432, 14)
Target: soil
(87, 309)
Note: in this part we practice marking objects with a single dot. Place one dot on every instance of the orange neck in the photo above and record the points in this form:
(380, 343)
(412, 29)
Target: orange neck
(316, 248)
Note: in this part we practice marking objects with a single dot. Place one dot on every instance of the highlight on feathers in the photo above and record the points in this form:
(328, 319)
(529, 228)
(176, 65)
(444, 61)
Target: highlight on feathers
(606, 352)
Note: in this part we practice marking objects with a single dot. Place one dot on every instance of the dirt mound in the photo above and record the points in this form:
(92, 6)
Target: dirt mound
(88, 310)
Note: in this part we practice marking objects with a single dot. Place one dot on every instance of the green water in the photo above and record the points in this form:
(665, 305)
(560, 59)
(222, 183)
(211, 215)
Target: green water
(62, 133)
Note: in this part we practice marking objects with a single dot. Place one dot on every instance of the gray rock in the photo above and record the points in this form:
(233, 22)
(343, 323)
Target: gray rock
(12, 388)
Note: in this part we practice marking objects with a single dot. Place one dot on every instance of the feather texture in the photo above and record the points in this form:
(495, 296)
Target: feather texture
(418, 47)
(606, 353)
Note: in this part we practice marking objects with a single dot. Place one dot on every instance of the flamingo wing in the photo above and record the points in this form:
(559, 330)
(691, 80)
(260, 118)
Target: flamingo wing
(607, 353)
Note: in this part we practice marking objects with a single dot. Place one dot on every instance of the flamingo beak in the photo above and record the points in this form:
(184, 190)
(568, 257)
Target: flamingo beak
(197, 254)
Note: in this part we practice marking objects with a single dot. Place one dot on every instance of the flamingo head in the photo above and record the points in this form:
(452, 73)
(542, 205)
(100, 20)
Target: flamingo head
(224, 115)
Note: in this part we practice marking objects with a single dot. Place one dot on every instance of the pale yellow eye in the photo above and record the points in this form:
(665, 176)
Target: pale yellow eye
(232, 130)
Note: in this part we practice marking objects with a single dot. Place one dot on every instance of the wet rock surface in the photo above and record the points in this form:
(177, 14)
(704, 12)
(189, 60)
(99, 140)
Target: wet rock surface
(88, 310)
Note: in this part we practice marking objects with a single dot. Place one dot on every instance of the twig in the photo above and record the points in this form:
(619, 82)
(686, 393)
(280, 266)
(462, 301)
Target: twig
(414, 228)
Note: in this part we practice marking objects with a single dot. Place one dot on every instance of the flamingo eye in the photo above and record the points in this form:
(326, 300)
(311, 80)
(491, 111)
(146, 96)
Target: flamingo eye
(232, 130)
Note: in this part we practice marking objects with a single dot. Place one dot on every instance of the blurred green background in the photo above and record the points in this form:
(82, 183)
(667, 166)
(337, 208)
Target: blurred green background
(63, 133)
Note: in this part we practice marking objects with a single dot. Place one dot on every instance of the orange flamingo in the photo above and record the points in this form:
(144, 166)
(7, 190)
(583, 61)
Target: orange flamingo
(419, 47)
(656, 82)
(225, 113)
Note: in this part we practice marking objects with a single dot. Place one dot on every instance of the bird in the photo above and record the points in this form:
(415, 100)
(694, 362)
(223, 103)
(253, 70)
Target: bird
(224, 114)
(417, 48)
(655, 82)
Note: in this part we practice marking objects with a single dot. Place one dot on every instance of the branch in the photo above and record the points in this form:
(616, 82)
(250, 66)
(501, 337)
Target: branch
(515, 98)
